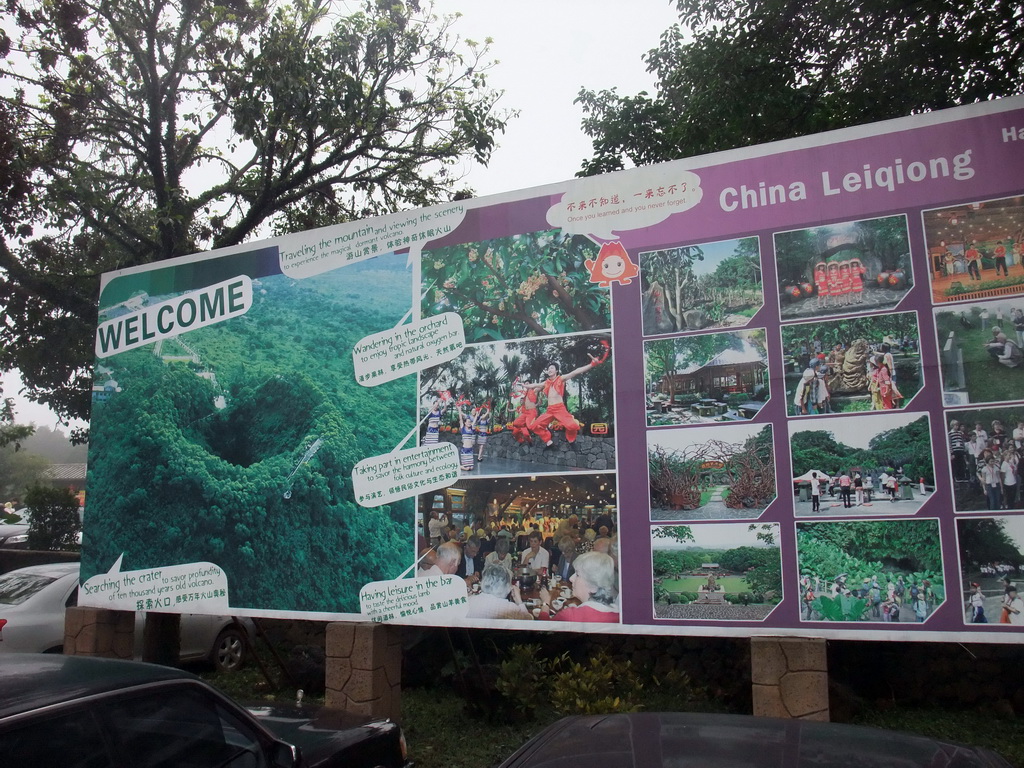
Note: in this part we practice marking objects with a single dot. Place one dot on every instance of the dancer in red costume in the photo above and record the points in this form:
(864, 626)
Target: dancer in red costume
(526, 400)
(554, 390)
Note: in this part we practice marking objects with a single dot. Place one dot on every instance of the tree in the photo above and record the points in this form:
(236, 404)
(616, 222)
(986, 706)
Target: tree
(154, 129)
(11, 433)
(54, 513)
(773, 69)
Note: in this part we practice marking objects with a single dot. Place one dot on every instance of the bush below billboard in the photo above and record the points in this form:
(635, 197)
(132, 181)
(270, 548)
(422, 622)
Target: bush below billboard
(647, 402)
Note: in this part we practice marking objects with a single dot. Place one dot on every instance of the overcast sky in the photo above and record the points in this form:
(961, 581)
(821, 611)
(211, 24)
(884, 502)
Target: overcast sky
(547, 51)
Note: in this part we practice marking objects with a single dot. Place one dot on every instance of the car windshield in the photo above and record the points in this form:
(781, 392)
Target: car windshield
(16, 588)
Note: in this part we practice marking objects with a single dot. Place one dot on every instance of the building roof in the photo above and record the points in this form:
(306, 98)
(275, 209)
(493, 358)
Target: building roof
(66, 472)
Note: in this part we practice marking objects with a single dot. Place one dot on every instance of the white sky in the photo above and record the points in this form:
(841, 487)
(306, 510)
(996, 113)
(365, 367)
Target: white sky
(718, 536)
(547, 51)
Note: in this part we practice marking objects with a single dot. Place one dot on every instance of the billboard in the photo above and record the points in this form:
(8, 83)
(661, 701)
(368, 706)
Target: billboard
(777, 390)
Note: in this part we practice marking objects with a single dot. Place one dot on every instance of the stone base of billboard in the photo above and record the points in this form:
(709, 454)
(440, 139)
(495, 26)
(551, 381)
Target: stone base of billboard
(364, 669)
(789, 677)
(99, 632)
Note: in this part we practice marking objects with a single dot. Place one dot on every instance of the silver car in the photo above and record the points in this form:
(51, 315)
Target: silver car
(33, 601)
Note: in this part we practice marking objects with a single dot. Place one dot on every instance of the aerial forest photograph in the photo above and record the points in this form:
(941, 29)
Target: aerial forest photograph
(843, 268)
(693, 287)
(530, 284)
(234, 444)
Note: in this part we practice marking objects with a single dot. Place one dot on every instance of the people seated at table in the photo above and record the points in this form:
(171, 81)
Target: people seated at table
(492, 603)
(594, 586)
(567, 554)
(472, 563)
(427, 565)
(501, 555)
(535, 556)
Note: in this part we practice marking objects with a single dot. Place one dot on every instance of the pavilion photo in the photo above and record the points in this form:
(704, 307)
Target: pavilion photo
(717, 377)
(976, 250)
(716, 571)
(844, 268)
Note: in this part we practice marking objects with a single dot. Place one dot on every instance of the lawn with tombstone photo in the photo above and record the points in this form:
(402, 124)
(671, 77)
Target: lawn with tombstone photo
(975, 365)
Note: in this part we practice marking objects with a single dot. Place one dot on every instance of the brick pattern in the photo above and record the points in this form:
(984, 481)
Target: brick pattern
(790, 678)
(99, 632)
(364, 669)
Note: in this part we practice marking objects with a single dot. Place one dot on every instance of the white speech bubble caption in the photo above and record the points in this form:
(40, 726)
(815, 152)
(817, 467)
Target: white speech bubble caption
(426, 597)
(642, 197)
(311, 253)
(188, 588)
(409, 348)
(402, 474)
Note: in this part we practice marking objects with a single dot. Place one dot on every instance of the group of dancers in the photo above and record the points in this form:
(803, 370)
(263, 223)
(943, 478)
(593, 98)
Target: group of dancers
(475, 423)
(839, 283)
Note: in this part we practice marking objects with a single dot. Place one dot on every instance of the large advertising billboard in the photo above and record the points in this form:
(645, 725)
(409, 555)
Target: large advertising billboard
(777, 390)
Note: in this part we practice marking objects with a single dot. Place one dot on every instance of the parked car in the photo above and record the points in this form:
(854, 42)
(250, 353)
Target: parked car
(79, 712)
(33, 601)
(15, 535)
(656, 739)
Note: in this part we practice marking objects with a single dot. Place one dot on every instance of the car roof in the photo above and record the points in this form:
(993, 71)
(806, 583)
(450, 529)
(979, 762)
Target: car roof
(33, 681)
(52, 570)
(696, 739)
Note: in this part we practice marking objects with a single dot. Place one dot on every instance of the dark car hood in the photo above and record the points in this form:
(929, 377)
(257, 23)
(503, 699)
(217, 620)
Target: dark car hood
(679, 740)
(321, 733)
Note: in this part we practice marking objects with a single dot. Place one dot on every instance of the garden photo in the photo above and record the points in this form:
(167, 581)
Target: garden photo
(992, 569)
(844, 268)
(532, 284)
(693, 287)
(976, 250)
(872, 464)
(711, 473)
(716, 571)
(887, 571)
(981, 350)
(870, 363)
(985, 450)
(713, 377)
(519, 407)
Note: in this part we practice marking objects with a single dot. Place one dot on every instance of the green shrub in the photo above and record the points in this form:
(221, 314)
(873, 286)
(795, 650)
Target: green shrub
(54, 518)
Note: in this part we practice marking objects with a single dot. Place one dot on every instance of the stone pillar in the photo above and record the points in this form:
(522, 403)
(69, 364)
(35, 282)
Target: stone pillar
(364, 669)
(790, 677)
(99, 632)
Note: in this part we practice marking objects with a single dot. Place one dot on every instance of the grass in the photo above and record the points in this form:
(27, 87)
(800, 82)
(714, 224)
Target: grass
(986, 380)
(977, 727)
